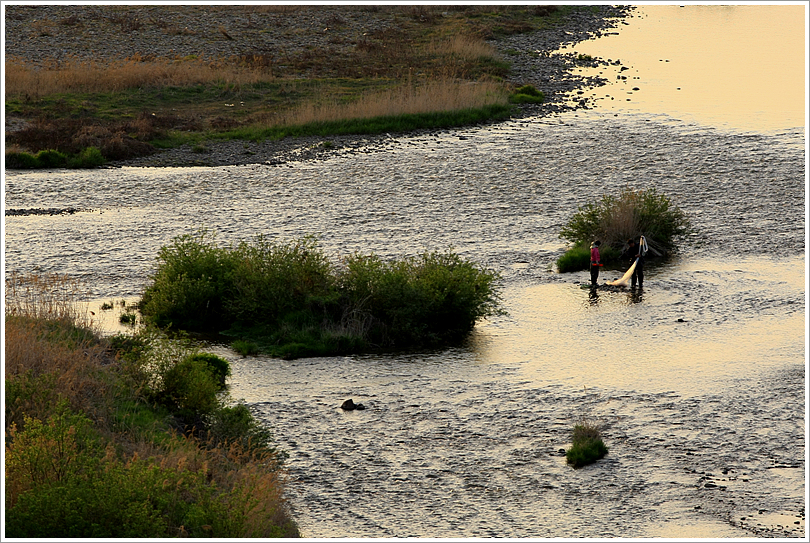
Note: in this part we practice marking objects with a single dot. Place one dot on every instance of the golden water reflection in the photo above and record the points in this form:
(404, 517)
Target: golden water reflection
(694, 328)
(738, 66)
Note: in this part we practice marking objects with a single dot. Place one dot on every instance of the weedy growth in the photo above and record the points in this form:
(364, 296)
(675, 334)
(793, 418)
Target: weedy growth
(587, 446)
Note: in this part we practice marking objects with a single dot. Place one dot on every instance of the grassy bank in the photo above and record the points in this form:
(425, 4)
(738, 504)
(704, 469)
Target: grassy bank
(127, 436)
(289, 300)
(433, 68)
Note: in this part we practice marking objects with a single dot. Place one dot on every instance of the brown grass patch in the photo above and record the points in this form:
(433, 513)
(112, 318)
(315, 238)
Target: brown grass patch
(430, 97)
(81, 76)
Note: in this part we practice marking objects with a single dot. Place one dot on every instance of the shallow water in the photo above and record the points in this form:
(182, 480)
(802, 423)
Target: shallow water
(704, 417)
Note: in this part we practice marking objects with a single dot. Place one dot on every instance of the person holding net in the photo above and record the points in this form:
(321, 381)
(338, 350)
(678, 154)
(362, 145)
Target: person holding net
(636, 254)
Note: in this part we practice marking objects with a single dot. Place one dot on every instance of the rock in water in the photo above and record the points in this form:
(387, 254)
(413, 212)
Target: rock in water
(349, 405)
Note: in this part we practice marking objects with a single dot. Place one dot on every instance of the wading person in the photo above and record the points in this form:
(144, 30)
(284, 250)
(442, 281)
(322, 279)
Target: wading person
(596, 261)
(637, 252)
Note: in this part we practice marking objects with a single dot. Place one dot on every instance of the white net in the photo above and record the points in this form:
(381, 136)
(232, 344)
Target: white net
(623, 280)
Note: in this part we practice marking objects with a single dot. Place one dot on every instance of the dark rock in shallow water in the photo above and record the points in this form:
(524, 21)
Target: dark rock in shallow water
(349, 405)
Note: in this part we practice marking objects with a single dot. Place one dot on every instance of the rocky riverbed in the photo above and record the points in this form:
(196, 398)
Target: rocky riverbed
(47, 34)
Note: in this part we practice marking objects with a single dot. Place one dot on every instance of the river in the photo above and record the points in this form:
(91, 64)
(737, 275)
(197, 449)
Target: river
(698, 382)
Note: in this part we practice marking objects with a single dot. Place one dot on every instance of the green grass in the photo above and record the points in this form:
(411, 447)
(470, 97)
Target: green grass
(578, 257)
(527, 94)
(375, 125)
(245, 348)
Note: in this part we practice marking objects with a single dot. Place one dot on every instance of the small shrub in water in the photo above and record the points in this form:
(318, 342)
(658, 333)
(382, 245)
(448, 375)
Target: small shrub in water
(587, 446)
(128, 318)
(632, 214)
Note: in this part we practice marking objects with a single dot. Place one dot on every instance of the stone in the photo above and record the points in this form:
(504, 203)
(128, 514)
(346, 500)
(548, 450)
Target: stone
(349, 405)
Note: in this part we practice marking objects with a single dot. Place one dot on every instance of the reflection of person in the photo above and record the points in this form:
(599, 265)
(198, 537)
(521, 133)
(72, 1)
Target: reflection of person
(634, 252)
(596, 261)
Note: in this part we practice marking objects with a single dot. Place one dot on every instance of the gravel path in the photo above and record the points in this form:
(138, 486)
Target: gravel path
(43, 34)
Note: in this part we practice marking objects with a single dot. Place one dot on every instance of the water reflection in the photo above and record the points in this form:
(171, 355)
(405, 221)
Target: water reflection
(740, 66)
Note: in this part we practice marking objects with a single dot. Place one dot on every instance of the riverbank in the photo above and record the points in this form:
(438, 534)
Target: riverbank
(530, 55)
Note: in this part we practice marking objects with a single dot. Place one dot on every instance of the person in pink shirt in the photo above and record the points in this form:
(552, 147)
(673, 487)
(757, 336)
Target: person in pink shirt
(596, 261)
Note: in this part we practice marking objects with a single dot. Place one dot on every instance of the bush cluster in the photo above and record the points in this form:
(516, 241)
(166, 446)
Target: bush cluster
(89, 157)
(615, 219)
(290, 300)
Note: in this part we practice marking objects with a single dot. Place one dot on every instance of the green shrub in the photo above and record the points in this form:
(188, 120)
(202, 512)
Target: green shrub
(30, 395)
(21, 161)
(290, 301)
(220, 367)
(587, 446)
(237, 424)
(51, 159)
(271, 280)
(527, 94)
(128, 318)
(429, 299)
(633, 213)
(193, 280)
(90, 157)
(191, 387)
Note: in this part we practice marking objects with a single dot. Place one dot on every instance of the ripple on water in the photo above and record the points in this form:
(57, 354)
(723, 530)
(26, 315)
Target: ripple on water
(465, 442)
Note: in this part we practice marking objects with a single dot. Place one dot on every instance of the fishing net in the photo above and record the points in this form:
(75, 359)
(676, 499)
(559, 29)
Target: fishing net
(622, 281)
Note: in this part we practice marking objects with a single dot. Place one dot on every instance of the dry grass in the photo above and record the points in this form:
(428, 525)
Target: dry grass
(51, 349)
(585, 430)
(46, 296)
(620, 220)
(430, 97)
(97, 76)
(462, 46)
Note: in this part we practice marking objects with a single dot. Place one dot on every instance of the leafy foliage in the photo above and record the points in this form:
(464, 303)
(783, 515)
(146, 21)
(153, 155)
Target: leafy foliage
(615, 219)
(630, 215)
(527, 94)
(289, 300)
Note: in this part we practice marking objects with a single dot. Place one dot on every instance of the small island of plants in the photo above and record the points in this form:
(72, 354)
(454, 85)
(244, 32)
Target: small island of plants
(288, 300)
(615, 219)
(586, 445)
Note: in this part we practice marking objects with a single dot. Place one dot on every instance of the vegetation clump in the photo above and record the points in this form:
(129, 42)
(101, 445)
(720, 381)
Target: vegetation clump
(615, 219)
(100, 442)
(587, 446)
(290, 301)
(527, 94)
